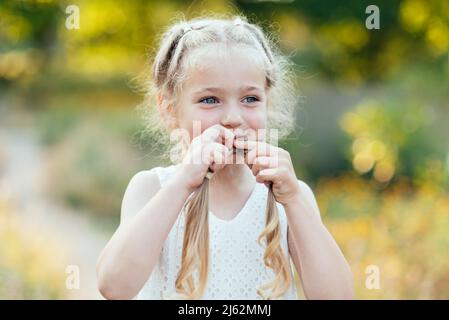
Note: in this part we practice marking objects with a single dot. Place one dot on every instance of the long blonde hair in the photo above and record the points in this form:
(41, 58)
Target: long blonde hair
(167, 75)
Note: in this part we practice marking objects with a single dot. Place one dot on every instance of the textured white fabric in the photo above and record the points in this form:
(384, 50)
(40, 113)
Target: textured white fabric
(236, 267)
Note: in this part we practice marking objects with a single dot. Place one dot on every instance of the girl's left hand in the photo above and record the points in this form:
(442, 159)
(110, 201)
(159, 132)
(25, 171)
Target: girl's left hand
(273, 165)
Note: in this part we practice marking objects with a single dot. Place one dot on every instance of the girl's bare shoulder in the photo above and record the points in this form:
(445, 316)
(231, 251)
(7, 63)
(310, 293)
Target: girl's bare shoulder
(141, 188)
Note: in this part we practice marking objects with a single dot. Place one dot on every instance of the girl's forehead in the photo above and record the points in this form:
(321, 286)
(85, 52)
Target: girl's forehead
(231, 69)
(215, 53)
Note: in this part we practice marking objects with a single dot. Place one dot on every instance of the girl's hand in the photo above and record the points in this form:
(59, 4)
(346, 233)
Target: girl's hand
(272, 165)
(212, 149)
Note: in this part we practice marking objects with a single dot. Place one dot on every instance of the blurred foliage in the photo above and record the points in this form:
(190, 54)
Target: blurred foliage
(385, 138)
(31, 267)
(329, 38)
(92, 157)
(402, 231)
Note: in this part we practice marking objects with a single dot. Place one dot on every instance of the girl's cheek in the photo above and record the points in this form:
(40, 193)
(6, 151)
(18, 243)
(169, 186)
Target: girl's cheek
(194, 120)
(257, 120)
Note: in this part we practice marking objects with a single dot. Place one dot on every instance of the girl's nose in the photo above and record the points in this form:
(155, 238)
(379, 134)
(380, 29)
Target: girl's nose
(232, 119)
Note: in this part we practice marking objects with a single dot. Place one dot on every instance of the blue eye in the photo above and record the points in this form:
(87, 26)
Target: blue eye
(251, 101)
(209, 100)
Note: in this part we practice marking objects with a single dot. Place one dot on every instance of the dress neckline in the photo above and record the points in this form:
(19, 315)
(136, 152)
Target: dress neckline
(242, 211)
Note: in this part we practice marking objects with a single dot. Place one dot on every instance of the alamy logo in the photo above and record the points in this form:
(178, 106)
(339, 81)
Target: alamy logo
(73, 19)
(373, 20)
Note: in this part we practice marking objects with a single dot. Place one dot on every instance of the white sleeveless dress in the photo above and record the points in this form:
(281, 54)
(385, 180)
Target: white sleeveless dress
(236, 268)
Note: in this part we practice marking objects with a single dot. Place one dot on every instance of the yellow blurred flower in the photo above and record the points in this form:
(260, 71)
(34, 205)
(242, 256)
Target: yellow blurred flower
(384, 171)
(414, 14)
(363, 162)
(437, 36)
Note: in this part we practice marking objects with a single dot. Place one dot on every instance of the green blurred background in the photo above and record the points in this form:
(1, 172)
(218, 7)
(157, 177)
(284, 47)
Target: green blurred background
(371, 140)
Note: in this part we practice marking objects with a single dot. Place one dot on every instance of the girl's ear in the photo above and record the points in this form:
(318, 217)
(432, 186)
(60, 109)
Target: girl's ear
(172, 122)
(159, 98)
(169, 117)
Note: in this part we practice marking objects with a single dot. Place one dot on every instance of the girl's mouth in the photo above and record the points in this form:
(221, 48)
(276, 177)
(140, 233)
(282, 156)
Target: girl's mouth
(236, 150)
(239, 155)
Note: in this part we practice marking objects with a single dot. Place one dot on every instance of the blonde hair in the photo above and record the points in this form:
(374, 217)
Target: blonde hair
(168, 72)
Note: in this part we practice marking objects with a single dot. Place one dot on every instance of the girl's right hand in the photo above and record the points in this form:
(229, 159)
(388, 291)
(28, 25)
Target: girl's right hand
(212, 149)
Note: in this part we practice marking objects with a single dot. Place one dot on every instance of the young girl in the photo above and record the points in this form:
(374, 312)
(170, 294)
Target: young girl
(220, 228)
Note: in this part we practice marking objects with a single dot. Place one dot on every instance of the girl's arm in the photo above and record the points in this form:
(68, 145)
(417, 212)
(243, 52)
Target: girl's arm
(129, 257)
(323, 270)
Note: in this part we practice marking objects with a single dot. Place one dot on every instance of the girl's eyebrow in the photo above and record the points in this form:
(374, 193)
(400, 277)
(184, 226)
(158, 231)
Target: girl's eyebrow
(216, 89)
